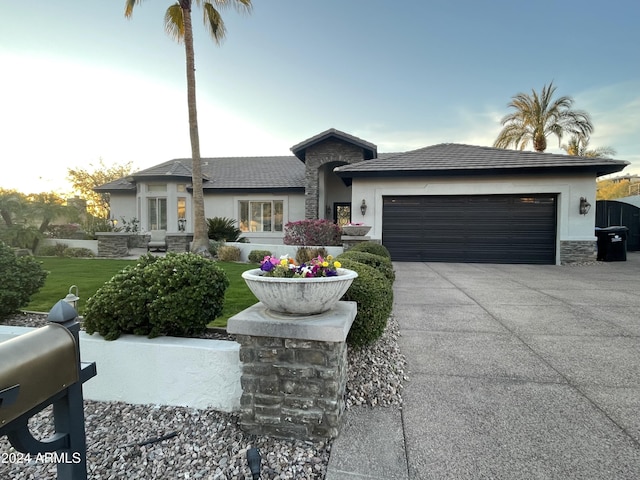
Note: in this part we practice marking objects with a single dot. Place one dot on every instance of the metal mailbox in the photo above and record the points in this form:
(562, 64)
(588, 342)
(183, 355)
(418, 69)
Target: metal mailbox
(38, 365)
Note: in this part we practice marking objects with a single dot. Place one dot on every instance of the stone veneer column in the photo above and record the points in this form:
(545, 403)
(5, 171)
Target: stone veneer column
(317, 155)
(178, 242)
(112, 244)
(294, 371)
(576, 251)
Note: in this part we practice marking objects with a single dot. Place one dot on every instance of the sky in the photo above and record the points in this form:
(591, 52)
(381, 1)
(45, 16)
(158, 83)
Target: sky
(79, 82)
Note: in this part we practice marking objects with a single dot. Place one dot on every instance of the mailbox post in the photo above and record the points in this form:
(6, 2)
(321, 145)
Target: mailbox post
(43, 368)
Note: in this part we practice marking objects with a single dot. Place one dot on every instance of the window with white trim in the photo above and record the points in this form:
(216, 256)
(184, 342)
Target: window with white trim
(157, 213)
(261, 215)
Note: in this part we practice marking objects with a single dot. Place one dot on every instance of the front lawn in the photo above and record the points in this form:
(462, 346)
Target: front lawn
(91, 274)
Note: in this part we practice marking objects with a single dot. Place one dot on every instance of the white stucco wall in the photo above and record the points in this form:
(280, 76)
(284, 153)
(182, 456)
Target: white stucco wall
(188, 372)
(227, 205)
(569, 188)
(123, 205)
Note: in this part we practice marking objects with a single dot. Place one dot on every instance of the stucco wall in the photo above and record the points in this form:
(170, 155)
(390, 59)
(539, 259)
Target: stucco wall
(571, 225)
(190, 372)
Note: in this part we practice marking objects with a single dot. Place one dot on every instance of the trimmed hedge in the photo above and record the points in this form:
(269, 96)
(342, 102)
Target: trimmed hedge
(371, 247)
(256, 256)
(20, 277)
(174, 295)
(374, 296)
(382, 264)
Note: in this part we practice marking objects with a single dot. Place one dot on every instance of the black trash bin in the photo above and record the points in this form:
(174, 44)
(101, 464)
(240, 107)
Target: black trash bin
(612, 244)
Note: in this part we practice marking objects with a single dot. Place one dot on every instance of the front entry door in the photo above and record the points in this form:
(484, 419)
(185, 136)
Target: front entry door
(342, 213)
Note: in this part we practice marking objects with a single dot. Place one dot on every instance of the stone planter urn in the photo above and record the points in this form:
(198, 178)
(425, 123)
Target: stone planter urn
(356, 230)
(299, 296)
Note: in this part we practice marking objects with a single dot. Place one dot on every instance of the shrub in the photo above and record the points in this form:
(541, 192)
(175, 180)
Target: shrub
(304, 254)
(56, 250)
(256, 256)
(77, 252)
(312, 232)
(20, 277)
(227, 253)
(214, 245)
(174, 295)
(374, 295)
(382, 264)
(371, 247)
(221, 228)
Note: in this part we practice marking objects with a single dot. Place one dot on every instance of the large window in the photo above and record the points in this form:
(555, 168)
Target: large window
(157, 213)
(261, 216)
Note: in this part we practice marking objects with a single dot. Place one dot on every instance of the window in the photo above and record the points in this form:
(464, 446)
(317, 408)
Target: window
(181, 187)
(157, 187)
(182, 207)
(261, 216)
(157, 211)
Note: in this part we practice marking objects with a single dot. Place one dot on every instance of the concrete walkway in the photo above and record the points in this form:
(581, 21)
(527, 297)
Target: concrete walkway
(516, 372)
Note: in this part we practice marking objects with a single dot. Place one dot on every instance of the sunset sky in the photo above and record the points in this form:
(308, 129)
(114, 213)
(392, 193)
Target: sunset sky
(80, 82)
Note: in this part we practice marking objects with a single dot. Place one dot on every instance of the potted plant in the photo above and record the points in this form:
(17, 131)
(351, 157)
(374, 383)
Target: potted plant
(310, 288)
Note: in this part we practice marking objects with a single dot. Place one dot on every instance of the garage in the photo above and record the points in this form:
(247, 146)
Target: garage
(471, 228)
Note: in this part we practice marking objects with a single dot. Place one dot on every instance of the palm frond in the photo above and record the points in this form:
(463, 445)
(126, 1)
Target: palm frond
(128, 7)
(213, 22)
(174, 22)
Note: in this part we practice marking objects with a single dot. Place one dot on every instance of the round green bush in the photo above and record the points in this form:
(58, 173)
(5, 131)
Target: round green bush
(371, 247)
(382, 264)
(20, 277)
(374, 296)
(256, 256)
(174, 295)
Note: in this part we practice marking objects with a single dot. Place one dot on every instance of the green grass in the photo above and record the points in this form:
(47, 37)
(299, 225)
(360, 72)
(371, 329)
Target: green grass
(90, 274)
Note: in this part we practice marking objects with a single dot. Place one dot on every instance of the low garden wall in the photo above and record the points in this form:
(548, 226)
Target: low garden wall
(190, 372)
(277, 250)
(71, 243)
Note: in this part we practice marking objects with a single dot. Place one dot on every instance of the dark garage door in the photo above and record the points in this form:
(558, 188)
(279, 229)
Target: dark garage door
(471, 228)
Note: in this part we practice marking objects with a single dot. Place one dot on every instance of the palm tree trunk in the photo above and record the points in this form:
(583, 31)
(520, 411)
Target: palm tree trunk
(200, 239)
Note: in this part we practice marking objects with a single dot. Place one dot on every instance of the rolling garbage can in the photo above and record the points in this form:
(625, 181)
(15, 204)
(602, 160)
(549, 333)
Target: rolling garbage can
(612, 244)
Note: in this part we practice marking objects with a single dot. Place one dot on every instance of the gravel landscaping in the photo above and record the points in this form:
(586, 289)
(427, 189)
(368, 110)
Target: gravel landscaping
(156, 442)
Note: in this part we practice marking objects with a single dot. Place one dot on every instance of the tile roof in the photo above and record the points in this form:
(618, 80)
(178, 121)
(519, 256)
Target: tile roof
(225, 173)
(299, 150)
(451, 158)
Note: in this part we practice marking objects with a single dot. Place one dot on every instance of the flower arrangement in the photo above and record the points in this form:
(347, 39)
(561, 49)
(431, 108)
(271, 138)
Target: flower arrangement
(286, 267)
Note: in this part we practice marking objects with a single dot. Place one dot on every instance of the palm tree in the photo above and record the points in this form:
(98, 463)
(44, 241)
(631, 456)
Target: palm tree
(177, 24)
(579, 146)
(537, 116)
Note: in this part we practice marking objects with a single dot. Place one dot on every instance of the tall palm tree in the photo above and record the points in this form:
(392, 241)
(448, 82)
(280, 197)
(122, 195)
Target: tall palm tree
(579, 146)
(537, 116)
(177, 24)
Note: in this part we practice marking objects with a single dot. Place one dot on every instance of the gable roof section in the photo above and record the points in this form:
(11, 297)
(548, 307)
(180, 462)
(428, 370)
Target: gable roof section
(456, 159)
(300, 150)
(282, 173)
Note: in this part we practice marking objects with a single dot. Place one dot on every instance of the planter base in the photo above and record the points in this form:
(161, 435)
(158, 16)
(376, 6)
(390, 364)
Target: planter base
(294, 373)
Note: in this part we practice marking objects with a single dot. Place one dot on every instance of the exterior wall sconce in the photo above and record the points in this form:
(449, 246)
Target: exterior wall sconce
(72, 298)
(113, 222)
(584, 206)
(182, 224)
(363, 207)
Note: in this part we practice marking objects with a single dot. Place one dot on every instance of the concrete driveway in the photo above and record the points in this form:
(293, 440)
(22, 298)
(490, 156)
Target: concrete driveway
(516, 372)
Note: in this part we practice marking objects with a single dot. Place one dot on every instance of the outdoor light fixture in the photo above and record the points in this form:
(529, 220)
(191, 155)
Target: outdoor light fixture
(113, 222)
(72, 298)
(253, 459)
(182, 224)
(584, 206)
(363, 207)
